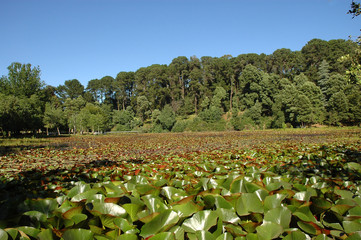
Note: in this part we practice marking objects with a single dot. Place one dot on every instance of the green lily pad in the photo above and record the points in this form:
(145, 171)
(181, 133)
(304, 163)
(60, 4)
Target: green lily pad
(132, 209)
(296, 235)
(154, 204)
(99, 208)
(162, 222)
(204, 235)
(162, 236)
(227, 215)
(3, 235)
(187, 209)
(248, 203)
(354, 236)
(280, 215)
(225, 236)
(30, 231)
(77, 234)
(202, 220)
(351, 226)
(127, 237)
(269, 230)
(45, 234)
(273, 201)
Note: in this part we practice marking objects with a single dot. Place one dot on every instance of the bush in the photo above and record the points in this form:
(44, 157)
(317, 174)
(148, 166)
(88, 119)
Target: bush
(120, 127)
(157, 128)
(166, 118)
(196, 125)
(236, 122)
(180, 126)
(212, 114)
(247, 123)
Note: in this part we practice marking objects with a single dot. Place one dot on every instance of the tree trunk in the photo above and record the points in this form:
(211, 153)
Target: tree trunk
(181, 82)
(47, 131)
(57, 128)
(231, 95)
(195, 104)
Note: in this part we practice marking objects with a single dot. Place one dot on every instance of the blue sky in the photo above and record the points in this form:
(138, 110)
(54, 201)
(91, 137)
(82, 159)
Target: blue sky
(88, 39)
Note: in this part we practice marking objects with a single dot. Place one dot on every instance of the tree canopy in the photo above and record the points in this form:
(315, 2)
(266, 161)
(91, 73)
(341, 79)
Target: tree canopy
(317, 85)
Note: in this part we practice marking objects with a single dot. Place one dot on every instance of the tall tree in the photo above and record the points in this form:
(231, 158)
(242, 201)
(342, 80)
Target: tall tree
(22, 80)
(53, 117)
(179, 69)
(124, 88)
(71, 89)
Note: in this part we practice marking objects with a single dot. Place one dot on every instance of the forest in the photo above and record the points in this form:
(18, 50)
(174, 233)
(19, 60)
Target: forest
(318, 85)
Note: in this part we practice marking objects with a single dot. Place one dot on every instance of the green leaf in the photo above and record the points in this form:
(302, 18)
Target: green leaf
(251, 187)
(30, 231)
(228, 215)
(84, 195)
(273, 201)
(72, 212)
(280, 215)
(111, 209)
(322, 237)
(202, 220)
(45, 206)
(344, 193)
(250, 226)
(355, 211)
(41, 217)
(355, 236)
(154, 204)
(308, 228)
(220, 202)
(172, 193)
(269, 230)
(273, 186)
(107, 221)
(162, 222)
(304, 213)
(354, 166)
(178, 232)
(132, 209)
(238, 186)
(225, 236)
(80, 188)
(45, 234)
(248, 203)
(123, 224)
(127, 237)
(78, 218)
(252, 236)
(235, 230)
(77, 234)
(187, 209)
(351, 226)
(204, 235)
(3, 235)
(162, 236)
(296, 235)
(12, 232)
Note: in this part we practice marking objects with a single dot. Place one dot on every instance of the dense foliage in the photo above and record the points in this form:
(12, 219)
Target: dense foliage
(317, 85)
(294, 184)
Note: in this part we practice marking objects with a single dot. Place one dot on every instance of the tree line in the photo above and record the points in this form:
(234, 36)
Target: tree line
(315, 85)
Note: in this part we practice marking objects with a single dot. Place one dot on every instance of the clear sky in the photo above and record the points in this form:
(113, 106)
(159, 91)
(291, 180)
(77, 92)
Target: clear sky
(88, 39)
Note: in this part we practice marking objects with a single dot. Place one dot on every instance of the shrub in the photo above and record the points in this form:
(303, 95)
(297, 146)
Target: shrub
(180, 126)
(166, 118)
(212, 114)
